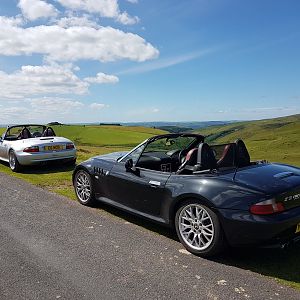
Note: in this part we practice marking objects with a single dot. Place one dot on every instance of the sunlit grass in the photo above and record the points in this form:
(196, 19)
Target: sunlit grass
(272, 140)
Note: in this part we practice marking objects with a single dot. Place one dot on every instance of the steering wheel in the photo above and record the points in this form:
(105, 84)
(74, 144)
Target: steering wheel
(36, 134)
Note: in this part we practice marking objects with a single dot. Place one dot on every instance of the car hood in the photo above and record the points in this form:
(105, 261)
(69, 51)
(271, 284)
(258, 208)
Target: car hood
(272, 179)
(111, 156)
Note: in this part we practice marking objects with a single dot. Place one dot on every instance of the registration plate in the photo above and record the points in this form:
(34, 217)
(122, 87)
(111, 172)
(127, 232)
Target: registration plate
(54, 148)
(298, 228)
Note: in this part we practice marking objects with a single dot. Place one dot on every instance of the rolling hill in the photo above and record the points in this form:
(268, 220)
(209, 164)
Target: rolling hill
(124, 136)
(272, 139)
(105, 136)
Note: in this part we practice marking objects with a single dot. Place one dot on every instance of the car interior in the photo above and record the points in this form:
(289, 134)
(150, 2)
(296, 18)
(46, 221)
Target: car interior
(196, 158)
(28, 131)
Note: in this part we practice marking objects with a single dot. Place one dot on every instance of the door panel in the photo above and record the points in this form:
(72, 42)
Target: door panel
(143, 190)
(100, 172)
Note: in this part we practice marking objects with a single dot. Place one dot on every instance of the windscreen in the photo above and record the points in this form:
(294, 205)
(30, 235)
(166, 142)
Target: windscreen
(36, 130)
(168, 144)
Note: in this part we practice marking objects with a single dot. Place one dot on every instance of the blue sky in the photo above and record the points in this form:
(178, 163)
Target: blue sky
(167, 60)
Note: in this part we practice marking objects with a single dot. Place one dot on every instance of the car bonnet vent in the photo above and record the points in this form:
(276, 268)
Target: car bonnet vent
(46, 138)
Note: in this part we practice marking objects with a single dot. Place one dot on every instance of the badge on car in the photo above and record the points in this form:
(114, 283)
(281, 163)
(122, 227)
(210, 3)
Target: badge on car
(298, 228)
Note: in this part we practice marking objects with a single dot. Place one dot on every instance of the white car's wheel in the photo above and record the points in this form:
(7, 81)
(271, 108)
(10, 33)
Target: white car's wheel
(13, 161)
(84, 188)
(198, 228)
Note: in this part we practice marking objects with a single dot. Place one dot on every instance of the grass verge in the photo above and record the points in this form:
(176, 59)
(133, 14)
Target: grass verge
(282, 146)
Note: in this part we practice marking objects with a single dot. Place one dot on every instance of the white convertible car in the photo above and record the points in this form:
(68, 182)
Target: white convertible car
(23, 145)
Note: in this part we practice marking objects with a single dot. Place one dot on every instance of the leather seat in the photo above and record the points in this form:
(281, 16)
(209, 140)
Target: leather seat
(228, 156)
(198, 159)
(242, 154)
(48, 132)
(25, 134)
(190, 161)
(206, 159)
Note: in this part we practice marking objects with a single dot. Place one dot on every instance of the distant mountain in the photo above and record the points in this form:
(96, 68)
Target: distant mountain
(184, 125)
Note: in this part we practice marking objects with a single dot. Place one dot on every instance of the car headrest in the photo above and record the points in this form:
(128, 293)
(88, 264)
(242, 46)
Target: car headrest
(25, 133)
(242, 154)
(191, 157)
(206, 158)
(228, 156)
(48, 132)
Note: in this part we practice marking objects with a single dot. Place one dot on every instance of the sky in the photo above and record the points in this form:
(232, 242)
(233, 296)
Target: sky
(81, 61)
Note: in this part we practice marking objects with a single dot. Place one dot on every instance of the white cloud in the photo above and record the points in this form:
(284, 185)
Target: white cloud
(40, 80)
(73, 43)
(11, 115)
(98, 106)
(105, 8)
(102, 78)
(133, 1)
(125, 19)
(42, 110)
(168, 62)
(53, 104)
(47, 80)
(35, 9)
(82, 21)
(7, 22)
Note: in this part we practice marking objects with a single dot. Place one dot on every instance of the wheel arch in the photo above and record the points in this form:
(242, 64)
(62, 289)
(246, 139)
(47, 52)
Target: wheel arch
(78, 168)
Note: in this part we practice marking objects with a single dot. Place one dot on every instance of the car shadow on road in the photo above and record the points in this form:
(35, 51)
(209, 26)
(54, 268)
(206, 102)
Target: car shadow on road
(278, 263)
(48, 168)
(139, 221)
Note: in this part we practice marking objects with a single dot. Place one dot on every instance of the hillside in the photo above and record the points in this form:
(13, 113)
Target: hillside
(124, 136)
(105, 136)
(273, 139)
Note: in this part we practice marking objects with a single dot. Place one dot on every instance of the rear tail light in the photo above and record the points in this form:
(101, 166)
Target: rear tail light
(267, 207)
(32, 149)
(70, 146)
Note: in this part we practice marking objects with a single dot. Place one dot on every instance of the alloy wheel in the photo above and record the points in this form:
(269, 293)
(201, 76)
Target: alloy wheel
(12, 160)
(196, 227)
(83, 186)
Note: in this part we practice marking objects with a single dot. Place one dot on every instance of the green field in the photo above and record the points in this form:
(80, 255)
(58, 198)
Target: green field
(90, 141)
(274, 140)
(106, 136)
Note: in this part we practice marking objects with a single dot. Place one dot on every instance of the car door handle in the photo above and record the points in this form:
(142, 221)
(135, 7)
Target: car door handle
(154, 183)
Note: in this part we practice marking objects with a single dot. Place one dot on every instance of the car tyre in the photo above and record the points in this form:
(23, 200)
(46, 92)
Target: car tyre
(13, 161)
(84, 188)
(199, 230)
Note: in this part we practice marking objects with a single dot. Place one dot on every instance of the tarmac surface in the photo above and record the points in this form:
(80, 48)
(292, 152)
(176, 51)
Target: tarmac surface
(54, 248)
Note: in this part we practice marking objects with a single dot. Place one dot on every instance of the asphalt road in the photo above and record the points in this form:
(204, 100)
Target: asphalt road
(55, 248)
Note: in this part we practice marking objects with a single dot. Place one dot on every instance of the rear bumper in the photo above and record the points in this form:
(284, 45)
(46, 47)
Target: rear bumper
(27, 159)
(243, 228)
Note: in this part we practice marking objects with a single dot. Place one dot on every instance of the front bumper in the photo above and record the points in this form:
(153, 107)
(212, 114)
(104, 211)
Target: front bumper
(243, 228)
(27, 159)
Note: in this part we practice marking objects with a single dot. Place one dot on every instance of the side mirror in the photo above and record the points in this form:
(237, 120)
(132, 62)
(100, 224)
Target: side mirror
(129, 165)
